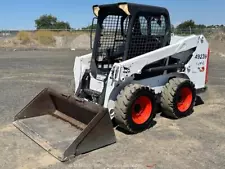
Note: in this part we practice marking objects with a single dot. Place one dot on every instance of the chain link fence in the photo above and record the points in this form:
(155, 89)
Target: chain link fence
(13, 33)
(78, 39)
(199, 31)
(181, 32)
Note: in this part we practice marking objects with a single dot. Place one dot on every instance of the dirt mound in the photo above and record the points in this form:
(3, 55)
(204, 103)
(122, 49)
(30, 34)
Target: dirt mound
(81, 42)
(78, 42)
(47, 39)
(16, 43)
(220, 36)
(217, 42)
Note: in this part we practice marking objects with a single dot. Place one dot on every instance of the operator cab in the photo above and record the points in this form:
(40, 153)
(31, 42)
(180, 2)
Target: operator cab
(127, 30)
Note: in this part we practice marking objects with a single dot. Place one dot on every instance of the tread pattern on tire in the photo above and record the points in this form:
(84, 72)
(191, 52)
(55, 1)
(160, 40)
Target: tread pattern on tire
(123, 103)
(167, 97)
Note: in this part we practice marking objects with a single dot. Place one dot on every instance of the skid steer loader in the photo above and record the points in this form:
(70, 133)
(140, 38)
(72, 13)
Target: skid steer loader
(136, 68)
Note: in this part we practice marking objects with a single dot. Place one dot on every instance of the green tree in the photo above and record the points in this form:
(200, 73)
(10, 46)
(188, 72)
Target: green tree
(211, 26)
(186, 25)
(62, 25)
(45, 22)
(201, 26)
(50, 22)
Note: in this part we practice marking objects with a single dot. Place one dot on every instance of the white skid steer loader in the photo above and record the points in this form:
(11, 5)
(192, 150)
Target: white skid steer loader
(136, 68)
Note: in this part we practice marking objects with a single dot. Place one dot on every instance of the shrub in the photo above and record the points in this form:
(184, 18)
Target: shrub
(70, 33)
(24, 37)
(64, 33)
(45, 37)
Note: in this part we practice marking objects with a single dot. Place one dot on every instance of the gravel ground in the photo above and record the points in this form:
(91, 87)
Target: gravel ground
(193, 142)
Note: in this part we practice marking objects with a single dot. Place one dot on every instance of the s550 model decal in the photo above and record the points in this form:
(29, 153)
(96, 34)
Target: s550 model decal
(201, 56)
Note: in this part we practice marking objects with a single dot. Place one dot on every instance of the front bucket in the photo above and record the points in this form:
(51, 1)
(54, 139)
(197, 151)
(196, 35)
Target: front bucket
(65, 126)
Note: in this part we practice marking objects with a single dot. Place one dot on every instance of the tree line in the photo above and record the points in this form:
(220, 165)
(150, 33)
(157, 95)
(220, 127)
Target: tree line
(52, 22)
(191, 24)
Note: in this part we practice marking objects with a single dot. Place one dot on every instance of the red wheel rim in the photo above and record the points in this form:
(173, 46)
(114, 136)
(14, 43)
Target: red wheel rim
(141, 110)
(185, 99)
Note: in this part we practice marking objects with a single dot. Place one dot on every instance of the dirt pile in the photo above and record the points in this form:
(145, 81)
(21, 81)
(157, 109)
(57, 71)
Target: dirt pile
(80, 42)
(220, 36)
(47, 39)
(217, 42)
(16, 43)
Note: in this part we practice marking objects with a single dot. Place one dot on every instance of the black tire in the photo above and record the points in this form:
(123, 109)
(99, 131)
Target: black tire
(173, 92)
(124, 108)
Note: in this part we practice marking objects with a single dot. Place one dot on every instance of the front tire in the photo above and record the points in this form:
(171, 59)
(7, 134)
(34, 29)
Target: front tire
(135, 108)
(178, 98)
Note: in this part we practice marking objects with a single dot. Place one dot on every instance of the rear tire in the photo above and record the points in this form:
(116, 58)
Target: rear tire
(178, 98)
(135, 108)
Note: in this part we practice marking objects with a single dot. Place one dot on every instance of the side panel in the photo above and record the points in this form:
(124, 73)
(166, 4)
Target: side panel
(156, 83)
(121, 73)
(135, 65)
(196, 68)
(81, 63)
